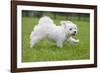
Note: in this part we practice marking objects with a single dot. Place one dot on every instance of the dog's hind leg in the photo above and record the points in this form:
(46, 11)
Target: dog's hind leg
(34, 40)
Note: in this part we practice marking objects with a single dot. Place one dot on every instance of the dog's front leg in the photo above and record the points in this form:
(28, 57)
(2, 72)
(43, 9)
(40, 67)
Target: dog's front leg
(73, 41)
(59, 44)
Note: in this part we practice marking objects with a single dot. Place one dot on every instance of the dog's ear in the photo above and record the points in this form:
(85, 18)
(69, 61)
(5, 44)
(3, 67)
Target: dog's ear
(63, 23)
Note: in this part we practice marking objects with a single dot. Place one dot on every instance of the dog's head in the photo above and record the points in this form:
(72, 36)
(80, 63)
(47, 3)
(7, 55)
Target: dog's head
(69, 27)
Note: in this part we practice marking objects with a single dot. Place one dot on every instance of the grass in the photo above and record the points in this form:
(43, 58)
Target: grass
(47, 51)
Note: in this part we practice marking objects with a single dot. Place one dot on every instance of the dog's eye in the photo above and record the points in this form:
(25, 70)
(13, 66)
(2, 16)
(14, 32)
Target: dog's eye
(70, 29)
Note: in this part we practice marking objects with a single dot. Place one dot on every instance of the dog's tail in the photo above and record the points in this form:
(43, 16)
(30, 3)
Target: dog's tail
(45, 20)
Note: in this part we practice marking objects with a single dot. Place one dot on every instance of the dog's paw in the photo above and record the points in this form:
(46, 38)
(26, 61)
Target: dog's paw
(76, 42)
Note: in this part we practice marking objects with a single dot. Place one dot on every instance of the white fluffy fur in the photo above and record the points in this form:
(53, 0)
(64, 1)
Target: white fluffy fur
(46, 29)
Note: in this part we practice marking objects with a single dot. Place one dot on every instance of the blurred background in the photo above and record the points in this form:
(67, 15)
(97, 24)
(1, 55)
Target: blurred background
(57, 15)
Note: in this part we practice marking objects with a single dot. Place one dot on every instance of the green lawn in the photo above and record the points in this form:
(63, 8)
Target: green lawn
(47, 51)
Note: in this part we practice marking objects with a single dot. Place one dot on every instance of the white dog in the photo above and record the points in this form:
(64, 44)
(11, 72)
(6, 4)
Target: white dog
(46, 29)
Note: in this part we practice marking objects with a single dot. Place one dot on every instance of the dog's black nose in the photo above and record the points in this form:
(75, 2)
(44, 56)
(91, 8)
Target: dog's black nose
(74, 31)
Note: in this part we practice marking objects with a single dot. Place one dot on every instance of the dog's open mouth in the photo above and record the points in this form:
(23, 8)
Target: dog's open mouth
(73, 34)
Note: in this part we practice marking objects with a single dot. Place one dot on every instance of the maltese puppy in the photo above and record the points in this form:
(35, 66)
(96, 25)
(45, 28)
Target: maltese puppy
(46, 29)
